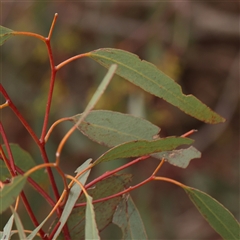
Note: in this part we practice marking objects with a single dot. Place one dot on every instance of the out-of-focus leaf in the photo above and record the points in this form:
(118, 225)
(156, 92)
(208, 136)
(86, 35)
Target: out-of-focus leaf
(98, 93)
(24, 161)
(9, 192)
(180, 158)
(114, 128)
(91, 231)
(74, 194)
(5, 33)
(141, 148)
(129, 220)
(19, 225)
(221, 220)
(152, 80)
(6, 234)
(103, 210)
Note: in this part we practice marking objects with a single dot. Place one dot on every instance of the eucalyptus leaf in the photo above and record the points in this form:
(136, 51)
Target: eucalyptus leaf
(6, 234)
(19, 224)
(103, 210)
(5, 33)
(152, 80)
(91, 231)
(129, 220)
(221, 220)
(180, 158)
(74, 194)
(98, 93)
(24, 161)
(141, 148)
(10, 191)
(113, 128)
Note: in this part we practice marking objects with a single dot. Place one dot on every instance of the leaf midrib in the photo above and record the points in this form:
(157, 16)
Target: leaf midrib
(222, 223)
(151, 80)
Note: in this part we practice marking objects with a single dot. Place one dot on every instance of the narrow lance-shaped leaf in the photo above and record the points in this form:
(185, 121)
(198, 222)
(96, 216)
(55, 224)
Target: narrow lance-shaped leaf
(129, 220)
(5, 33)
(142, 147)
(9, 192)
(221, 220)
(70, 202)
(91, 231)
(98, 93)
(73, 196)
(19, 224)
(152, 80)
(6, 234)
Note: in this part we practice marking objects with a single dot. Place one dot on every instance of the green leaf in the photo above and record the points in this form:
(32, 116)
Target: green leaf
(129, 220)
(91, 231)
(9, 192)
(83, 177)
(6, 234)
(24, 161)
(180, 158)
(141, 148)
(152, 80)
(98, 93)
(74, 194)
(19, 225)
(5, 33)
(221, 220)
(104, 210)
(113, 128)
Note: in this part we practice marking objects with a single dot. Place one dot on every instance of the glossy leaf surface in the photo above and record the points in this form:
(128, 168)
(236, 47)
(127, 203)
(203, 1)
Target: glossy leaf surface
(152, 80)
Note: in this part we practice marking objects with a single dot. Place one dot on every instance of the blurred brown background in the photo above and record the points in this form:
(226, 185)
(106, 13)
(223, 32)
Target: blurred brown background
(196, 43)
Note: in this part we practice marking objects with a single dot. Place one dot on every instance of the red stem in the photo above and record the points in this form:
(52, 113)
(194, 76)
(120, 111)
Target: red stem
(6, 143)
(32, 216)
(51, 88)
(40, 142)
(54, 230)
(18, 114)
(35, 138)
(46, 117)
(44, 130)
(4, 158)
(131, 188)
(38, 188)
(107, 174)
(45, 123)
(13, 172)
